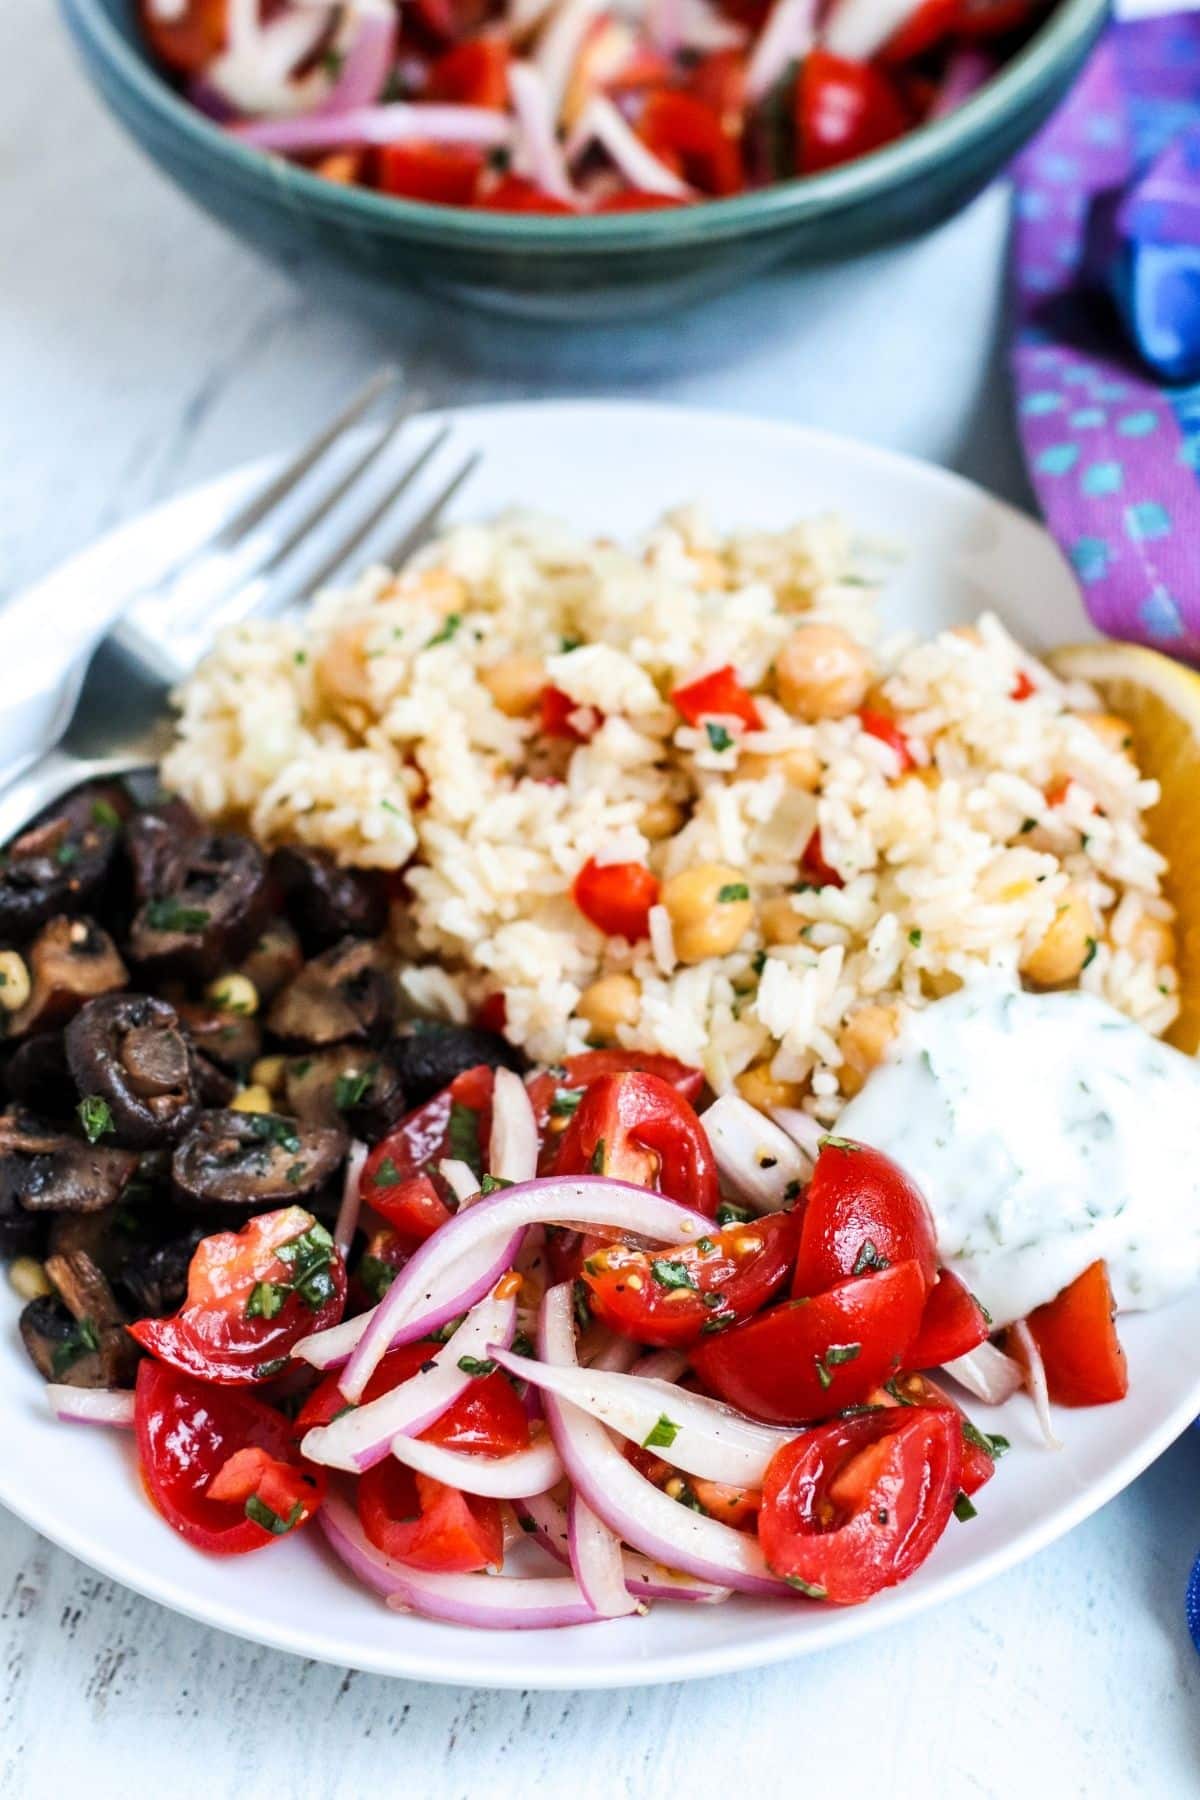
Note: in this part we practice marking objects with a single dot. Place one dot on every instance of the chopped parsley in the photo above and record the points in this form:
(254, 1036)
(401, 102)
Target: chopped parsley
(838, 1143)
(1027, 825)
(579, 1305)
(376, 1275)
(869, 1258)
(274, 1130)
(296, 1174)
(95, 1115)
(914, 938)
(733, 890)
(686, 1497)
(448, 630)
(671, 1274)
(982, 1440)
(66, 854)
(462, 1136)
(261, 1514)
(267, 1300)
(477, 1365)
(172, 915)
(662, 1434)
(566, 1103)
(300, 1069)
(491, 1184)
(349, 1089)
(567, 644)
(82, 1337)
(730, 1213)
(1092, 947)
(310, 1259)
(806, 1587)
(834, 1356)
(964, 1510)
(597, 1163)
(104, 814)
(719, 739)
(387, 1175)
(759, 962)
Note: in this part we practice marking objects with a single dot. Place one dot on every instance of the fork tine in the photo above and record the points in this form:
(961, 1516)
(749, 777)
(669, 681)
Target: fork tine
(417, 534)
(362, 531)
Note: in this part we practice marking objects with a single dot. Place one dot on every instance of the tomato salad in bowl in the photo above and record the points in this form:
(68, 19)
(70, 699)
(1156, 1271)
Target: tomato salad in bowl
(572, 106)
(335, 1267)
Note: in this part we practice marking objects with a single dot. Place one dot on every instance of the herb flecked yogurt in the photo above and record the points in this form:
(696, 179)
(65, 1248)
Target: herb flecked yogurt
(1046, 1130)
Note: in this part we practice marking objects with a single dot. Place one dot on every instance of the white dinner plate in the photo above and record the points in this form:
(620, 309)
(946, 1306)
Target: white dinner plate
(612, 468)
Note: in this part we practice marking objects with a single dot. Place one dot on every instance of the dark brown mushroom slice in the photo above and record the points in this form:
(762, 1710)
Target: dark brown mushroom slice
(85, 1292)
(429, 1057)
(327, 902)
(45, 1169)
(60, 1348)
(345, 1085)
(208, 909)
(273, 959)
(154, 1276)
(155, 843)
(21, 1232)
(69, 961)
(232, 1039)
(95, 1234)
(36, 1076)
(347, 994)
(254, 1160)
(213, 1086)
(130, 1051)
(61, 860)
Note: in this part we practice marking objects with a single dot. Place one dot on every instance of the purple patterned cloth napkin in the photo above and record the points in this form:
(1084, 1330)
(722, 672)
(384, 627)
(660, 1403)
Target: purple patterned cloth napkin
(1107, 351)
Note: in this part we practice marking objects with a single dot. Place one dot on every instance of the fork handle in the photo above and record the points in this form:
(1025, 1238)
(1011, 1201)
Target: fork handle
(47, 779)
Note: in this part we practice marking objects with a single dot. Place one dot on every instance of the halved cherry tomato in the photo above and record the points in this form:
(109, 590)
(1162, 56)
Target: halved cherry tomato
(460, 1115)
(189, 36)
(882, 726)
(616, 897)
(251, 1296)
(806, 1359)
(952, 1324)
(189, 1433)
(843, 110)
(979, 1452)
(426, 1524)
(856, 1505)
(446, 174)
(719, 79)
(562, 717)
(815, 868)
(413, 1208)
(677, 1293)
(736, 1506)
(514, 194)
(638, 1128)
(555, 1093)
(719, 694)
(474, 73)
(690, 138)
(862, 1212)
(487, 1418)
(1077, 1336)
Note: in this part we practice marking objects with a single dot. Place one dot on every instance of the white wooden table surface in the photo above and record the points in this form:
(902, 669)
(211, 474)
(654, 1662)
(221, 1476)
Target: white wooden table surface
(141, 351)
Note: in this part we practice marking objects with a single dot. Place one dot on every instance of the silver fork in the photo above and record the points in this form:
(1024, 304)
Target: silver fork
(298, 533)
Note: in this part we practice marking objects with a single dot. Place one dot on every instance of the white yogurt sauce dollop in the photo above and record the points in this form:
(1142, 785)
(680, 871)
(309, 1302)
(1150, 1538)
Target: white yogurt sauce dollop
(1045, 1130)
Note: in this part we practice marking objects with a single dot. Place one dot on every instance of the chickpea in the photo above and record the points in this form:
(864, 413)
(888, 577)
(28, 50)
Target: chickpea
(799, 766)
(1114, 732)
(1067, 945)
(612, 1001)
(864, 1043)
(28, 1278)
(14, 981)
(822, 673)
(233, 993)
(515, 684)
(255, 1099)
(1152, 940)
(781, 923)
(760, 1088)
(710, 911)
(661, 819)
(269, 1072)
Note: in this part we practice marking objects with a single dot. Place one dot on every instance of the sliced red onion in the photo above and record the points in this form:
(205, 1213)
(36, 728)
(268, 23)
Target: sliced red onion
(435, 1275)
(660, 1365)
(616, 1354)
(504, 1603)
(702, 1436)
(524, 16)
(805, 1131)
(545, 1519)
(90, 1406)
(559, 48)
(675, 25)
(513, 1144)
(404, 121)
(631, 1506)
(1035, 1381)
(460, 1178)
(596, 1561)
(512, 1477)
(367, 61)
(601, 123)
(541, 152)
(788, 34)
(255, 70)
(758, 1161)
(348, 1211)
(966, 72)
(987, 1373)
(363, 1436)
(859, 29)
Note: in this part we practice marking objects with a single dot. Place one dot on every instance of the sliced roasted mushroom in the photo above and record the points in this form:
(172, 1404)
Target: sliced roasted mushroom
(327, 902)
(273, 959)
(346, 994)
(87, 1296)
(37, 1077)
(129, 1051)
(45, 1169)
(432, 1054)
(213, 1086)
(20, 1232)
(61, 1348)
(155, 1275)
(207, 908)
(349, 1085)
(60, 861)
(254, 1160)
(155, 842)
(230, 1038)
(70, 961)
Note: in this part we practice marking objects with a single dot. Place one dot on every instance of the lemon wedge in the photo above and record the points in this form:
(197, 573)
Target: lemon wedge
(1161, 700)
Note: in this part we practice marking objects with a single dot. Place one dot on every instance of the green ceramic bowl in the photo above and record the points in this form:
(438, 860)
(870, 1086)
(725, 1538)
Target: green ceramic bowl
(581, 270)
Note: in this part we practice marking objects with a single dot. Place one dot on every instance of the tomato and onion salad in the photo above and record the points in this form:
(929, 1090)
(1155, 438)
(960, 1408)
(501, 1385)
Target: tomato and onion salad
(609, 112)
(835, 1473)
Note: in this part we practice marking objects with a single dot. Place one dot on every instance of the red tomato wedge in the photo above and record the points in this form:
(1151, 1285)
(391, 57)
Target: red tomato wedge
(192, 1437)
(555, 1093)
(428, 1525)
(616, 897)
(413, 1208)
(562, 717)
(862, 1212)
(814, 867)
(669, 1297)
(856, 1505)
(882, 726)
(952, 1324)
(446, 174)
(251, 1296)
(689, 137)
(636, 1127)
(188, 36)
(456, 1120)
(980, 1452)
(1077, 1337)
(843, 110)
(474, 73)
(487, 1418)
(719, 695)
(806, 1359)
